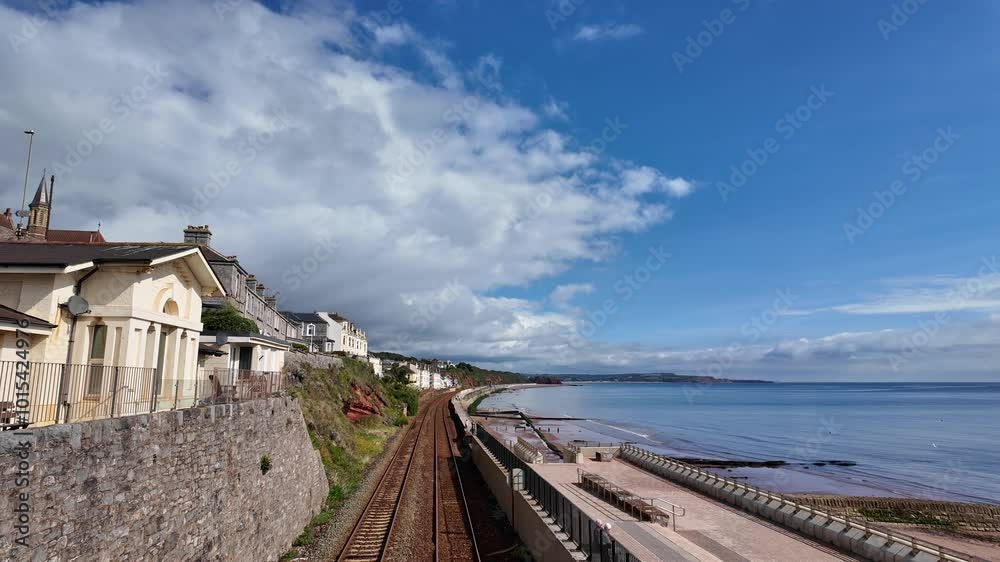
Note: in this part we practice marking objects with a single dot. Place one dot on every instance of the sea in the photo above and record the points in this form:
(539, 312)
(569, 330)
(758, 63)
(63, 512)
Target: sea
(924, 440)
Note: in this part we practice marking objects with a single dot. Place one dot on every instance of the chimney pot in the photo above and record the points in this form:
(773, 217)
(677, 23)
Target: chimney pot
(200, 235)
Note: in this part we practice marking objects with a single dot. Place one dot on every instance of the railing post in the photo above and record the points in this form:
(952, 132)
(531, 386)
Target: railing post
(114, 391)
(152, 393)
(59, 393)
(176, 384)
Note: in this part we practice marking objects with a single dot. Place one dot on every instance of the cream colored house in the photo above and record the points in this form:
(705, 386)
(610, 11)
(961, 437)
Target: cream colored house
(113, 329)
(343, 335)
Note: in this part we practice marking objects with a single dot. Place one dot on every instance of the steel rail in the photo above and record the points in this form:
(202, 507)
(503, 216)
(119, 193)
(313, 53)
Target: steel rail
(461, 486)
(346, 553)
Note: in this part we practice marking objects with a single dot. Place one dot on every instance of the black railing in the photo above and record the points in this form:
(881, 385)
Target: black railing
(243, 384)
(45, 393)
(590, 538)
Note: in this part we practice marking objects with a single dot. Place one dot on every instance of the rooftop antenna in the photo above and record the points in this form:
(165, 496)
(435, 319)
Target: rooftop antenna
(24, 195)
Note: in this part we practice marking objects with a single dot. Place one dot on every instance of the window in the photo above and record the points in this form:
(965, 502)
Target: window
(98, 342)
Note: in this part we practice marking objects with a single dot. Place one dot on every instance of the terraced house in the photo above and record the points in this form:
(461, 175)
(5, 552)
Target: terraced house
(240, 356)
(112, 328)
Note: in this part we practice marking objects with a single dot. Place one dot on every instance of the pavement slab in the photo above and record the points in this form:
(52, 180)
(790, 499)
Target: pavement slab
(709, 530)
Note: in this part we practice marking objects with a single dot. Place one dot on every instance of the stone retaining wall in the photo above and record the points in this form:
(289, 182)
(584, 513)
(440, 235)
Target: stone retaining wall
(296, 360)
(182, 485)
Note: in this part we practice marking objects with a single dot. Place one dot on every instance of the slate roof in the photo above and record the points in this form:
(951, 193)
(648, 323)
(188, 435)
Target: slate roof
(308, 317)
(11, 316)
(42, 194)
(16, 253)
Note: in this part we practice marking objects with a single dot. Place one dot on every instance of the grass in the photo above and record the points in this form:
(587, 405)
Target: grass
(894, 515)
(475, 404)
(345, 448)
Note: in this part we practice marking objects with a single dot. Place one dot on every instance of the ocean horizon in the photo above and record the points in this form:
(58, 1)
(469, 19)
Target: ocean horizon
(923, 440)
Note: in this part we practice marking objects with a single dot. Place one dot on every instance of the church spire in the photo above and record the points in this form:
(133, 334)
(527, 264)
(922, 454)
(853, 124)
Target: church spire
(39, 209)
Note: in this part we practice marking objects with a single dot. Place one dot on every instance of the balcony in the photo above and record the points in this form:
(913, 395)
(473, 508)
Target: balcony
(48, 393)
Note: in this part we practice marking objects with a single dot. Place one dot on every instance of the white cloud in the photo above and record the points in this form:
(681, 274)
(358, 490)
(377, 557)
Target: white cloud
(420, 263)
(556, 109)
(562, 295)
(921, 295)
(607, 31)
(464, 214)
(644, 179)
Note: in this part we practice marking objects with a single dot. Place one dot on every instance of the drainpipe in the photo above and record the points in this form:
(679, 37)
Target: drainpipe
(64, 399)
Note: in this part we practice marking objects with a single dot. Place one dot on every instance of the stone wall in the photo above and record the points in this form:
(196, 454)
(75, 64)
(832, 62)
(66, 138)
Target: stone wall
(296, 361)
(182, 485)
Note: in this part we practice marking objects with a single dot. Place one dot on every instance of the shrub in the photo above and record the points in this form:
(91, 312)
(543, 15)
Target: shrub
(265, 463)
(305, 539)
(300, 347)
(228, 319)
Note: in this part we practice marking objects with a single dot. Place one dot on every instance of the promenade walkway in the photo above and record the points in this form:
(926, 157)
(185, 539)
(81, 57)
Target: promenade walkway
(709, 531)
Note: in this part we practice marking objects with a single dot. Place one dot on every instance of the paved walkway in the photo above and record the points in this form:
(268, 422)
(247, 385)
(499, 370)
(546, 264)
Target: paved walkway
(710, 530)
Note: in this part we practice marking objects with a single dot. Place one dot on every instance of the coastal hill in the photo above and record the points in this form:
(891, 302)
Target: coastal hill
(655, 377)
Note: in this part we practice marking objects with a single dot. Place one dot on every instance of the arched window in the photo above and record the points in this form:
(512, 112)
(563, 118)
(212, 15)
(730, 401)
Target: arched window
(170, 307)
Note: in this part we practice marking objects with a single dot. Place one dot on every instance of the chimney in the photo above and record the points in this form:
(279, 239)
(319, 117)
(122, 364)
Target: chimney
(260, 289)
(252, 283)
(271, 301)
(200, 235)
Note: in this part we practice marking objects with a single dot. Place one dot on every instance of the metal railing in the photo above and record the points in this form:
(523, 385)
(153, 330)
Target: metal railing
(244, 384)
(576, 444)
(892, 537)
(589, 537)
(47, 393)
(627, 501)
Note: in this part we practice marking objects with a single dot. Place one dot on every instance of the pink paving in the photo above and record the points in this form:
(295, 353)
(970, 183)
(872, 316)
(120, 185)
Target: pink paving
(708, 531)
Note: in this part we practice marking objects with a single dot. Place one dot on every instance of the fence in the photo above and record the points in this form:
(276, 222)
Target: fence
(45, 393)
(650, 461)
(588, 536)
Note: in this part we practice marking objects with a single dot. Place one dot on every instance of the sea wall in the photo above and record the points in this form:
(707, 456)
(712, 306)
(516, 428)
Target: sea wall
(181, 485)
(867, 542)
(539, 534)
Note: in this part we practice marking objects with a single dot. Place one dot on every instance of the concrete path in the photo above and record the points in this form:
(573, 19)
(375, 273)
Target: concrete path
(710, 531)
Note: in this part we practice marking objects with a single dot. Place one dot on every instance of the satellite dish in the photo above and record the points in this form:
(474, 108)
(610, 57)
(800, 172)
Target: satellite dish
(221, 338)
(77, 305)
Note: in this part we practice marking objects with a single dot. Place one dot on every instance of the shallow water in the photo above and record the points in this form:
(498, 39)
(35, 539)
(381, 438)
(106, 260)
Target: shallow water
(935, 441)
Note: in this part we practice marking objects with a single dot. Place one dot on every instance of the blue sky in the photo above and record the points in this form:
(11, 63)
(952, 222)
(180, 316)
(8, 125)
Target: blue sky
(891, 90)
(785, 227)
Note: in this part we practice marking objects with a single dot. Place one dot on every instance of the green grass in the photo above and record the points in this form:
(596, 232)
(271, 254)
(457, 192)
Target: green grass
(305, 539)
(894, 515)
(475, 404)
(345, 448)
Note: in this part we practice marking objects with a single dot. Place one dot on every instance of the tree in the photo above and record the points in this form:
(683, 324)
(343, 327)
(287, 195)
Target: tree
(398, 375)
(228, 319)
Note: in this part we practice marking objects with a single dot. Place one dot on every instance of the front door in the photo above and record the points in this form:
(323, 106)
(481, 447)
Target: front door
(246, 354)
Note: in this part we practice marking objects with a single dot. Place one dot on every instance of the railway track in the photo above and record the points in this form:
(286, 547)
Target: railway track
(370, 536)
(455, 538)
(432, 434)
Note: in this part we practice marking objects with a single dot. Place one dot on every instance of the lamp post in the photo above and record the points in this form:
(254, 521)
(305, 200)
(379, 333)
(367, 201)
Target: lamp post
(24, 195)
